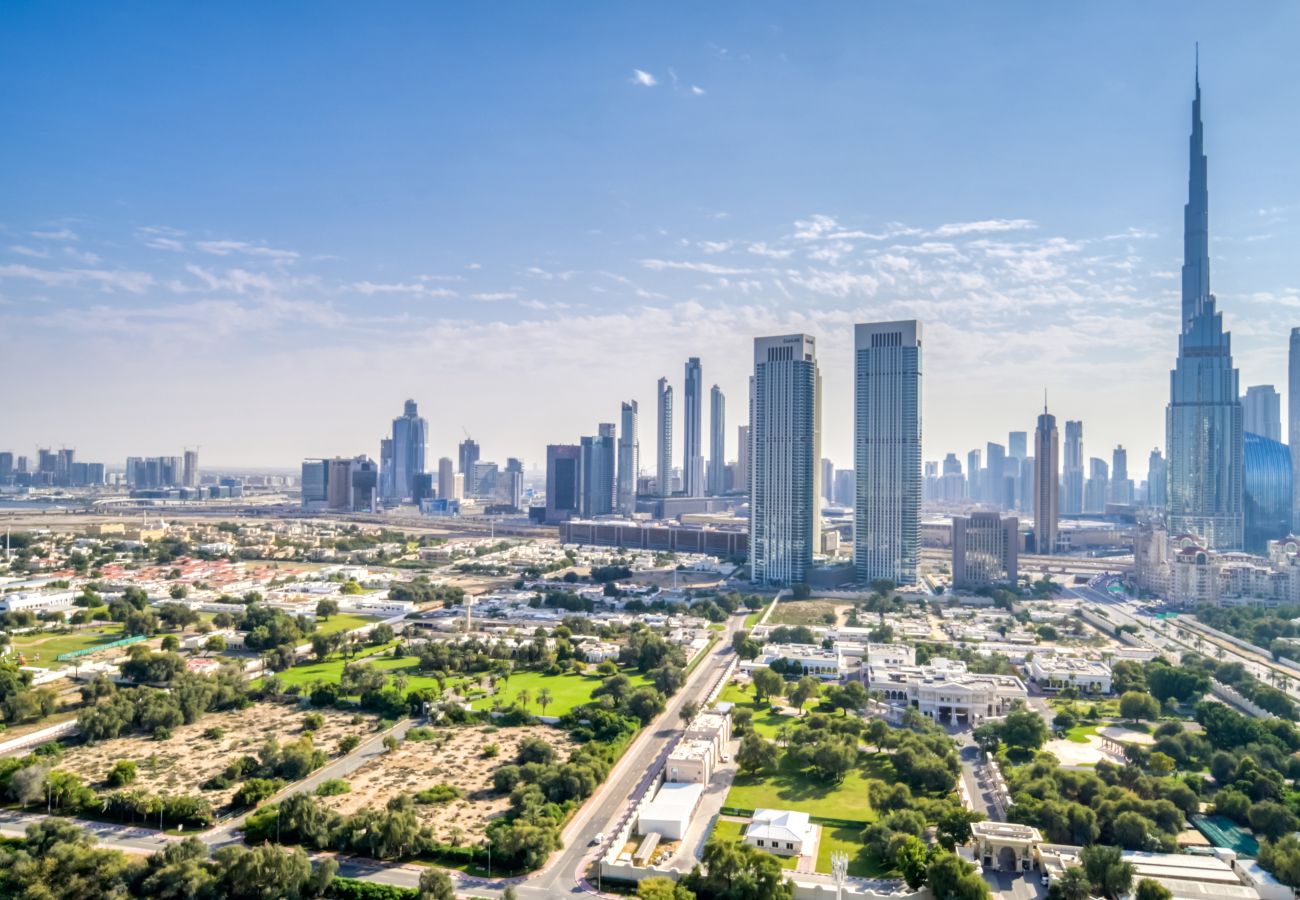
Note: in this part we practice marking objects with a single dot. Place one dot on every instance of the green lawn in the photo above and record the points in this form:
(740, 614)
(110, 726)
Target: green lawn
(567, 690)
(805, 612)
(861, 863)
(725, 830)
(803, 791)
(1080, 733)
(342, 622)
(40, 648)
(765, 722)
(752, 619)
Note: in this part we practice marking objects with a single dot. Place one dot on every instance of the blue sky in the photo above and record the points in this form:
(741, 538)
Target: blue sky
(259, 227)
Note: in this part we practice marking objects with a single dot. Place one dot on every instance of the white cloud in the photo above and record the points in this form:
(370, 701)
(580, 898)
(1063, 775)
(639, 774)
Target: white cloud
(29, 251)
(762, 249)
(659, 265)
(108, 280)
(643, 78)
(370, 289)
(984, 226)
(61, 234)
(226, 248)
(716, 246)
(493, 296)
(697, 90)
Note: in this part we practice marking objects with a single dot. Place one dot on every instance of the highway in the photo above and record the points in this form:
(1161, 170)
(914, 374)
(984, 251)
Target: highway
(1163, 634)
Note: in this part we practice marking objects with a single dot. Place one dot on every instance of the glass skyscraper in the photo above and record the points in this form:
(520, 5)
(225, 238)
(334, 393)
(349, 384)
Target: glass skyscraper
(410, 440)
(785, 417)
(887, 451)
(1203, 422)
(693, 430)
(1268, 491)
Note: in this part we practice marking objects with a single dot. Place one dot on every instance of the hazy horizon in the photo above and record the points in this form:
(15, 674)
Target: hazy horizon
(262, 240)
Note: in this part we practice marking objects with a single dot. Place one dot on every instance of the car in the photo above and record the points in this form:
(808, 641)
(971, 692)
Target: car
(1045, 880)
(598, 839)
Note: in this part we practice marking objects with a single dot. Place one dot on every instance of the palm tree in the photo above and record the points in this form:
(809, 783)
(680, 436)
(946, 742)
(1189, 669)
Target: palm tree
(544, 699)
(523, 697)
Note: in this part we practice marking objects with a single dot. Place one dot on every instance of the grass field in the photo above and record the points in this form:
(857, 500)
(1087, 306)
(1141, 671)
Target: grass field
(861, 863)
(752, 619)
(806, 612)
(1080, 733)
(567, 691)
(342, 622)
(804, 792)
(765, 722)
(40, 648)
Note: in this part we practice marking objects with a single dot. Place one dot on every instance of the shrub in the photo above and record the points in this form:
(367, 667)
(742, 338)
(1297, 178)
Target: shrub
(122, 773)
(349, 743)
(332, 787)
(439, 793)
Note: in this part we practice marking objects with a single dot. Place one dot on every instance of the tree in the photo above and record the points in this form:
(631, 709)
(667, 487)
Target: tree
(1023, 728)
(435, 885)
(215, 644)
(1107, 872)
(122, 773)
(659, 888)
(954, 826)
(645, 703)
(912, 859)
(544, 699)
(756, 754)
(1282, 858)
(877, 733)
(807, 688)
(1272, 820)
(988, 736)
(737, 871)
(767, 684)
(1072, 885)
(800, 591)
(952, 878)
(688, 711)
(832, 760)
(326, 608)
(1137, 706)
(1150, 889)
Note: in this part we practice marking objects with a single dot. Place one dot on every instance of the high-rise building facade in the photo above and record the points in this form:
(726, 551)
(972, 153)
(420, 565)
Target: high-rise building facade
(469, 453)
(952, 483)
(1017, 445)
(1121, 486)
(1098, 487)
(826, 479)
(717, 442)
(598, 464)
(973, 470)
(629, 458)
(1261, 411)
(887, 451)
(510, 486)
(1268, 491)
(693, 431)
(742, 459)
(995, 474)
(1157, 480)
(664, 439)
(410, 441)
(190, 469)
(845, 490)
(1047, 483)
(387, 474)
(563, 481)
(1293, 420)
(1072, 476)
(1203, 422)
(447, 487)
(985, 549)
(785, 418)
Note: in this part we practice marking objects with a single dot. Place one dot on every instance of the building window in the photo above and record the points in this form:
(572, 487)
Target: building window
(760, 842)
(789, 846)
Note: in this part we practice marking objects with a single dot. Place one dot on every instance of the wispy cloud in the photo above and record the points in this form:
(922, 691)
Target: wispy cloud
(659, 265)
(493, 296)
(60, 234)
(984, 226)
(34, 252)
(643, 78)
(371, 288)
(109, 280)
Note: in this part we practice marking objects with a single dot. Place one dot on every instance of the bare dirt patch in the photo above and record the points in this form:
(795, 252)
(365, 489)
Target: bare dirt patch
(184, 761)
(417, 765)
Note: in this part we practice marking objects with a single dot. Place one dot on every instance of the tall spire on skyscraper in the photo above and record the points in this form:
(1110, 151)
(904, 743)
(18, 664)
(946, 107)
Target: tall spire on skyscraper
(1196, 216)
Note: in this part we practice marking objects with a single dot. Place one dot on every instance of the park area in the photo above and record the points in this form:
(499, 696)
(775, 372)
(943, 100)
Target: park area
(565, 690)
(813, 613)
(184, 761)
(458, 757)
(342, 622)
(42, 648)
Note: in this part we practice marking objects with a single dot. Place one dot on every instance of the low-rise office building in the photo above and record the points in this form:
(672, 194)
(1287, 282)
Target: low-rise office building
(669, 813)
(814, 659)
(945, 691)
(781, 831)
(692, 760)
(1053, 673)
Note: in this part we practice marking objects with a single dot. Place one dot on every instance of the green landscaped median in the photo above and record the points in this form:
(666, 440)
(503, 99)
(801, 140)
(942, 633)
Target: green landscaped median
(41, 649)
(567, 690)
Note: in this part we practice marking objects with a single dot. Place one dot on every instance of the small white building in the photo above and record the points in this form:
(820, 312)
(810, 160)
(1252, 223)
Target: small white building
(692, 760)
(36, 601)
(669, 813)
(813, 659)
(598, 652)
(781, 831)
(713, 726)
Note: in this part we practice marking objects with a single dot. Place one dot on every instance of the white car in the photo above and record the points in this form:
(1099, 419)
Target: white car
(598, 839)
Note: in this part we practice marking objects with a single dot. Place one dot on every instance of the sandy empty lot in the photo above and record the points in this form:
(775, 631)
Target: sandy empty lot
(417, 765)
(181, 763)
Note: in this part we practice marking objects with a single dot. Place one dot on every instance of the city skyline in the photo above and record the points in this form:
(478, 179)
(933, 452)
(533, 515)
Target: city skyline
(997, 255)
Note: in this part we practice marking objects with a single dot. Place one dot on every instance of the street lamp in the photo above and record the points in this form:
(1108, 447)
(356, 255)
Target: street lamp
(839, 871)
